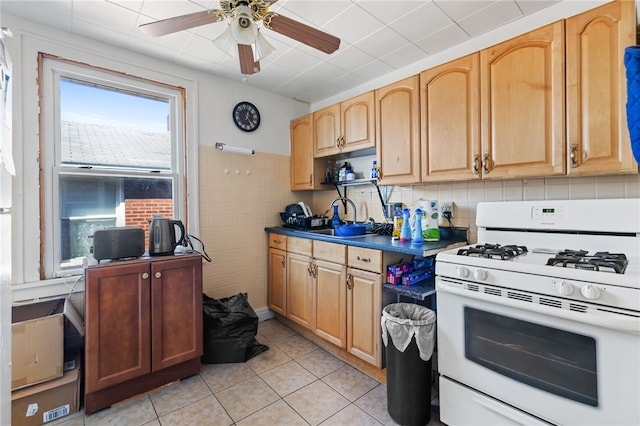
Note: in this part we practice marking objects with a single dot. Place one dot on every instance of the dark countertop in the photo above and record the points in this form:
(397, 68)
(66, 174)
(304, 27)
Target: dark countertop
(449, 238)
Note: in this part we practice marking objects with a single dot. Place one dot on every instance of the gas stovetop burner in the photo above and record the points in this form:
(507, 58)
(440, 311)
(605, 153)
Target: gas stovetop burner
(600, 261)
(493, 251)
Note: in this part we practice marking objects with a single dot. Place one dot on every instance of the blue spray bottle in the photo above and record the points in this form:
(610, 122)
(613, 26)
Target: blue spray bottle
(417, 228)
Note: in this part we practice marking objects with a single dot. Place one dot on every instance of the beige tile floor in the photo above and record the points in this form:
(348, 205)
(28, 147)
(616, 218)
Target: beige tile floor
(293, 383)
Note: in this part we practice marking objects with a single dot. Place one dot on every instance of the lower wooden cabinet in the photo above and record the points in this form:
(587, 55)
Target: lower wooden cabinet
(143, 322)
(333, 290)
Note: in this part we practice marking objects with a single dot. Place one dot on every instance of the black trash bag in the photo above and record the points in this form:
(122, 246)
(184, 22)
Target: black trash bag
(229, 330)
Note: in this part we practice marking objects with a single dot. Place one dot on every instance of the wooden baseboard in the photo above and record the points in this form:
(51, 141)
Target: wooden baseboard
(379, 374)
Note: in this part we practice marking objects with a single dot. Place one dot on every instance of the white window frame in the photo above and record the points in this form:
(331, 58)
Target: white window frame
(52, 70)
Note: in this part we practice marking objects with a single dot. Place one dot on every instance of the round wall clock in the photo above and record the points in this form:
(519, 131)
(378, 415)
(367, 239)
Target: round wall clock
(246, 116)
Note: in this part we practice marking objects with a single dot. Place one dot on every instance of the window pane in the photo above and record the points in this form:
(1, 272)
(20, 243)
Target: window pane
(88, 203)
(105, 127)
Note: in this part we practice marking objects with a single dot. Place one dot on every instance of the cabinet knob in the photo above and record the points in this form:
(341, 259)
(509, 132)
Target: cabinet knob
(145, 276)
(574, 155)
(158, 274)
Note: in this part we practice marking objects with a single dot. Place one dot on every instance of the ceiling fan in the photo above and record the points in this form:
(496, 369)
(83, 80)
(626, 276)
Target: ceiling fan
(243, 31)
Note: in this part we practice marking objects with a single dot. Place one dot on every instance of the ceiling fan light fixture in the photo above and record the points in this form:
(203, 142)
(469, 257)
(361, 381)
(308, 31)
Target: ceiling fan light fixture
(226, 42)
(243, 30)
(263, 47)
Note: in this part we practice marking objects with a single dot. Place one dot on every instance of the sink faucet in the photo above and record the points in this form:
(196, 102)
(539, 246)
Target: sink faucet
(350, 202)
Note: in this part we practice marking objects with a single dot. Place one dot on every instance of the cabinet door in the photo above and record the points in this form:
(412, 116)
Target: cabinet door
(326, 131)
(301, 153)
(118, 324)
(358, 123)
(598, 138)
(331, 302)
(397, 109)
(278, 281)
(522, 105)
(176, 311)
(300, 294)
(450, 117)
(363, 315)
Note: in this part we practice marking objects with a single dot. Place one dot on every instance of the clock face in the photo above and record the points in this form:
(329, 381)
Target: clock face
(246, 116)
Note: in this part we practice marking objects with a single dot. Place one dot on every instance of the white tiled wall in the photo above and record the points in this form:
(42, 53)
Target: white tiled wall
(241, 195)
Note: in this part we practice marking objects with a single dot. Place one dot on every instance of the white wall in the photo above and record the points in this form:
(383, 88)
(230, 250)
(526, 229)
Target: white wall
(209, 104)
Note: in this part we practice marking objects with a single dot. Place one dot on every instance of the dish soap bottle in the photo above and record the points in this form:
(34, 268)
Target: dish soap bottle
(374, 170)
(417, 228)
(397, 224)
(405, 232)
(335, 220)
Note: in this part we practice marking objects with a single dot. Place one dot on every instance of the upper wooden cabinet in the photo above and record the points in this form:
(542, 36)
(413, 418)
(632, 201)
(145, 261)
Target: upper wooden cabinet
(597, 133)
(397, 108)
(344, 127)
(450, 117)
(301, 131)
(522, 105)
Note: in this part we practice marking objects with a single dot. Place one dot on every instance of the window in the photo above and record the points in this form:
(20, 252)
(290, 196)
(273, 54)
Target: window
(112, 145)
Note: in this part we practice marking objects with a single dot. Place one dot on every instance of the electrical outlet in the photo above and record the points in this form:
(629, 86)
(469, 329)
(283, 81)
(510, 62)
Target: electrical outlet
(446, 206)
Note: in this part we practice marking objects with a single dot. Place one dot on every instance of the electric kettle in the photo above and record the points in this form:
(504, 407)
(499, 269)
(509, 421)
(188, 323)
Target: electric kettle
(162, 235)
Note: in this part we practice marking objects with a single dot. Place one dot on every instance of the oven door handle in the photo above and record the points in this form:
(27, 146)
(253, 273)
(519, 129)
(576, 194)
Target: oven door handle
(610, 320)
(508, 412)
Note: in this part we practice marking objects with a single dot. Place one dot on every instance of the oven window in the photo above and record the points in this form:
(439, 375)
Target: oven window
(553, 360)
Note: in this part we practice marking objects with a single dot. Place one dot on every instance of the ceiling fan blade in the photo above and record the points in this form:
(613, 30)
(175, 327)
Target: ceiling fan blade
(247, 63)
(183, 22)
(303, 33)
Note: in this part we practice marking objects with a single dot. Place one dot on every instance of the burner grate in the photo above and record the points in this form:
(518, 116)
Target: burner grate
(599, 261)
(493, 251)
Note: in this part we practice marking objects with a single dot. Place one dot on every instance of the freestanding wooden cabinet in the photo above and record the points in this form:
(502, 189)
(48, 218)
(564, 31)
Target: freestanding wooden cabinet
(302, 164)
(597, 135)
(450, 109)
(397, 108)
(143, 323)
(522, 105)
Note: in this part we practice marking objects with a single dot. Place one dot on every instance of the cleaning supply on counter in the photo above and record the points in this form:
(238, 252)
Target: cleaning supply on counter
(417, 238)
(397, 224)
(405, 231)
(431, 222)
(374, 170)
(335, 220)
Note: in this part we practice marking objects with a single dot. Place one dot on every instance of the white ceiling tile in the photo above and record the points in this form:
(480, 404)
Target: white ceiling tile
(108, 15)
(381, 42)
(41, 11)
(297, 60)
(373, 69)
(133, 5)
(531, 6)
(424, 20)
(404, 56)
(353, 25)
(491, 17)
(443, 39)
(163, 9)
(351, 58)
(313, 12)
(387, 11)
(200, 47)
(460, 9)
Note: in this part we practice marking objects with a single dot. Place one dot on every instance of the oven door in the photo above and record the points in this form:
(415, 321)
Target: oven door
(561, 366)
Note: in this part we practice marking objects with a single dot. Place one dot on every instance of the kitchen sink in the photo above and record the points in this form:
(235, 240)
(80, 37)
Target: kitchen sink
(332, 232)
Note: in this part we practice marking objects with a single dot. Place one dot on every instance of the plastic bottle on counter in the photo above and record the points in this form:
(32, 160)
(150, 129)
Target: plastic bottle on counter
(335, 220)
(417, 228)
(405, 232)
(374, 170)
(397, 224)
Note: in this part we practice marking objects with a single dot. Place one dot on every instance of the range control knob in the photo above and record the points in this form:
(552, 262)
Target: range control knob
(480, 274)
(590, 291)
(563, 287)
(462, 272)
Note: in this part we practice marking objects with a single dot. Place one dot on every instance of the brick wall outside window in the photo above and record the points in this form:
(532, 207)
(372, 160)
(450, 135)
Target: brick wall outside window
(138, 212)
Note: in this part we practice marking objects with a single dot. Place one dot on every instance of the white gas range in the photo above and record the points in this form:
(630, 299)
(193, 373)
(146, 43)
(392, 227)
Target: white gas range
(540, 321)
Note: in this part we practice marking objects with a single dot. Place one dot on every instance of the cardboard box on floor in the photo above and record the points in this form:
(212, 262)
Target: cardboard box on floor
(38, 404)
(37, 340)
